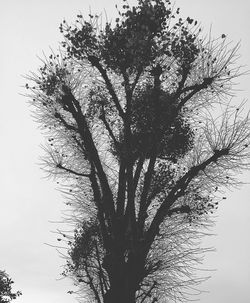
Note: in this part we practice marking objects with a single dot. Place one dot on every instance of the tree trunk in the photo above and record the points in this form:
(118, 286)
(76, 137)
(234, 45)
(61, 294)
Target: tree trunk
(124, 281)
(122, 289)
(119, 293)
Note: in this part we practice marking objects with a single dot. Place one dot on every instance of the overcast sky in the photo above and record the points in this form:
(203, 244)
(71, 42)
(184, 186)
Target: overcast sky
(28, 202)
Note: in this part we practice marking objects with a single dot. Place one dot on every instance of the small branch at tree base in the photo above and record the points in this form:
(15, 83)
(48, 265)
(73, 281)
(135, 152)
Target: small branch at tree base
(148, 293)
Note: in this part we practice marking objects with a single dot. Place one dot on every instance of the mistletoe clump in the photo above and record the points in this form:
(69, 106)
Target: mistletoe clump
(152, 120)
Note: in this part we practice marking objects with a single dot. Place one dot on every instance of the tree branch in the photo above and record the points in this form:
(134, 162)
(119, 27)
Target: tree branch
(148, 293)
(74, 107)
(121, 189)
(148, 176)
(92, 152)
(92, 286)
(105, 122)
(177, 191)
(100, 208)
(182, 209)
(136, 78)
(100, 271)
(181, 83)
(68, 126)
(59, 165)
(96, 63)
(146, 187)
(138, 172)
(195, 89)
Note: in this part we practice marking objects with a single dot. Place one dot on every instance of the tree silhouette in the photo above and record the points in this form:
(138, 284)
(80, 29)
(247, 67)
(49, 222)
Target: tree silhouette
(143, 134)
(6, 294)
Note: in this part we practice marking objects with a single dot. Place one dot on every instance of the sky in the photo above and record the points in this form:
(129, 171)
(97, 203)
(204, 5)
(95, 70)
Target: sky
(29, 203)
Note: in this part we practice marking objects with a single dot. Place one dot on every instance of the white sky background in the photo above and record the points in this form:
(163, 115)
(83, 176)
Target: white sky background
(28, 201)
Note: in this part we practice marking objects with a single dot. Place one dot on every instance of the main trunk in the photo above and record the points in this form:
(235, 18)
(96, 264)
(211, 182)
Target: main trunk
(120, 292)
(124, 277)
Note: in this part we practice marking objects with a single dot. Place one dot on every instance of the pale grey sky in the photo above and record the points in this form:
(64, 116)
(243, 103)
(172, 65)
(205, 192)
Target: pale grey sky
(28, 202)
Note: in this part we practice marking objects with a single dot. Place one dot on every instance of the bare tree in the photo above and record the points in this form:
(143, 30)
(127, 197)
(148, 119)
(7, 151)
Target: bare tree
(143, 131)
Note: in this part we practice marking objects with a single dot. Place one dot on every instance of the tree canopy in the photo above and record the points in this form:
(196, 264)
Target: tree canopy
(6, 294)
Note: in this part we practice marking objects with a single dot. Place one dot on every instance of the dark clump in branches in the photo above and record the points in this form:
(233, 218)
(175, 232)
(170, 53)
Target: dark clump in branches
(145, 141)
(150, 119)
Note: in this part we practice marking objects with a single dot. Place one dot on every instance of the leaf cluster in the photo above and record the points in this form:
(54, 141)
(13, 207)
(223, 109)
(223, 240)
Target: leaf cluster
(6, 294)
